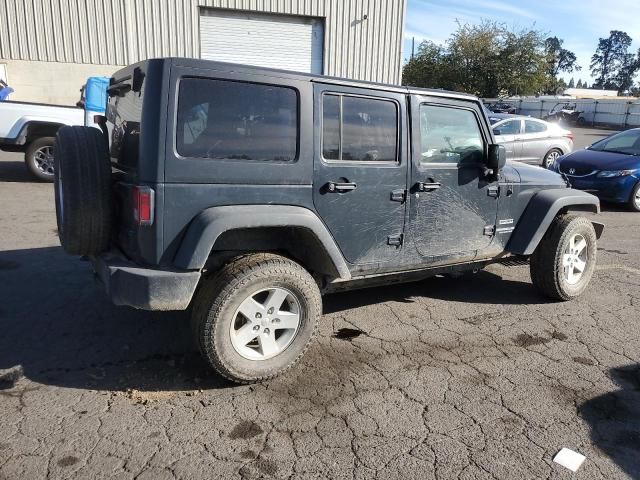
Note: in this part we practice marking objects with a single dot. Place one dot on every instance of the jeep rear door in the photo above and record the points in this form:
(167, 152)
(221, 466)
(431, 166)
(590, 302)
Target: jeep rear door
(453, 205)
(360, 170)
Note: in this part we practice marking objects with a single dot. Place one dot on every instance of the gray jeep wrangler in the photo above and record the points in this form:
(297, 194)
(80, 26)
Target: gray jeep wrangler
(246, 193)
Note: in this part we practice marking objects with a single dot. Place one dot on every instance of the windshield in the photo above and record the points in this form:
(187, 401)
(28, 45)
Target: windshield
(627, 143)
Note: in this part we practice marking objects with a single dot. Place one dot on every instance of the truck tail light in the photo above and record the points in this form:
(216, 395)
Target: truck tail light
(143, 205)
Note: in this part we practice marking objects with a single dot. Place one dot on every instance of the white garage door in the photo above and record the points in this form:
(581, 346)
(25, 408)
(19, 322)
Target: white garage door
(290, 43)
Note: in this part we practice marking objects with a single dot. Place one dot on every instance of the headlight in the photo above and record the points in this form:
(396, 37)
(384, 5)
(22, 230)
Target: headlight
(614, 173)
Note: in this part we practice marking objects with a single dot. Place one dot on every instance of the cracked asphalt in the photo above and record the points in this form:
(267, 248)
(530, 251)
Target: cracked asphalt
(473, 378)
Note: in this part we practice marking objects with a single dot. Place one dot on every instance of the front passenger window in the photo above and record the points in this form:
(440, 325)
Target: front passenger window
(449, 135)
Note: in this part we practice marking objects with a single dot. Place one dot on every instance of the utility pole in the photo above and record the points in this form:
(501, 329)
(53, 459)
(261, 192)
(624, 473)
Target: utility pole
(413, 47)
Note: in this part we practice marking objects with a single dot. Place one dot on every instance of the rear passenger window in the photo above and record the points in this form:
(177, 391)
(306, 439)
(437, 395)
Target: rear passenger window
(221, 119)
(534, 127)
(359, 129)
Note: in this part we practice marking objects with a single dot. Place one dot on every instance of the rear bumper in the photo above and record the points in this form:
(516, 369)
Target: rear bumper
(129, 284)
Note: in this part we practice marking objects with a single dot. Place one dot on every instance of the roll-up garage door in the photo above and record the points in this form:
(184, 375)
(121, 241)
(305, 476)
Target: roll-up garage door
(278, 41)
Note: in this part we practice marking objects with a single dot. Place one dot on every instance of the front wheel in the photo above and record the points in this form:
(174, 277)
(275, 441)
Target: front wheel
(564, 261)
(256, 317)
(39, 158)
(634, 200)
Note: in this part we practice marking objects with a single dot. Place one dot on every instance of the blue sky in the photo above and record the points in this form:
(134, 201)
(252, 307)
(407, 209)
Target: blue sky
(579, 22)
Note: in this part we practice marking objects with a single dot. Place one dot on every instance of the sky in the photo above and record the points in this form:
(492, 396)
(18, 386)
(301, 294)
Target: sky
(579, 22)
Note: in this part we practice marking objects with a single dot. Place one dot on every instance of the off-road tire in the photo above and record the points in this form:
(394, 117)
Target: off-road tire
(634, 199)
(546, 268)
(30, 158)
(82, 190)
(219, 296)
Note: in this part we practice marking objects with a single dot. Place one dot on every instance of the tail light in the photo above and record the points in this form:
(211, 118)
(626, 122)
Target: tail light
(143, 205)
(569, 135)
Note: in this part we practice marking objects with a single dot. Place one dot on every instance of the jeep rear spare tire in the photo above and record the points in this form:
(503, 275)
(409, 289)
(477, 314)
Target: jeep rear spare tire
(256, 317)
(82, 190)
(564, 261)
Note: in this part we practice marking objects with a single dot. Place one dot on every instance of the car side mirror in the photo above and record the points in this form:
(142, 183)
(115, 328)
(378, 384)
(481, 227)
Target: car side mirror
(497, 158)
(496, 131)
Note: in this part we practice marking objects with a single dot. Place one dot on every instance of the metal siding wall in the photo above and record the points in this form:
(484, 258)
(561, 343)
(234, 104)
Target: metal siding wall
(120, 32)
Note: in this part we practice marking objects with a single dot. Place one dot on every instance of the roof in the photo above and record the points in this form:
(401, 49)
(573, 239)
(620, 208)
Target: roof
(200, 63)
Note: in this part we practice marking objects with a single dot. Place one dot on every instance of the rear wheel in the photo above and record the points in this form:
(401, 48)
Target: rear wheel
(39, 158)
(551, 156)
(256, 317)
(562, 265)
(634, 200)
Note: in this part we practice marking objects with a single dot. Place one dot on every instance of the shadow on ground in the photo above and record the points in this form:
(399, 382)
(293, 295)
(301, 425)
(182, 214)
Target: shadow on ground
(483, 287)
(57, 324)
(14, 172)
(614, 419)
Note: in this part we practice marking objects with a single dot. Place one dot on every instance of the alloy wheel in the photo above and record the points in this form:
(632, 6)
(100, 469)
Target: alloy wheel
(44, 159)
(265, 323)
(575, 258)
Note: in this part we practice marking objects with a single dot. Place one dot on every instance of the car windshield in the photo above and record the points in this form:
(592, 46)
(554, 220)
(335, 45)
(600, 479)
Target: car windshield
(627, 143)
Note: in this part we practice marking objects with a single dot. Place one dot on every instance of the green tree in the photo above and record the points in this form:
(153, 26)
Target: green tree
(486, 59)
(612, 65)
(579, 84)
(558, 60)
(572, 84)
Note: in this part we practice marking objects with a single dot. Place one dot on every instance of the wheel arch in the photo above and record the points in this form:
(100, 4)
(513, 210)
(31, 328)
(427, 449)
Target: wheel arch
(35, 129)
(296, 231)
(540, 213)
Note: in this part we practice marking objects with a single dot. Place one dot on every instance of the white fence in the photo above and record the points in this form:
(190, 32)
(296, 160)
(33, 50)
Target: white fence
(619, 112)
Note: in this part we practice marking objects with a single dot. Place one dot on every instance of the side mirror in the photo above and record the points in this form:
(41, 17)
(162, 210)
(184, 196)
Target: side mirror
(497, 158)
(496, 131)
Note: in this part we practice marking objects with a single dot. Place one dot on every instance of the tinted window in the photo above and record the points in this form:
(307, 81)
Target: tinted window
(224, 119)
(512, 127)
(534, 127)
(331, 127)
(449, 135)
(359, 129)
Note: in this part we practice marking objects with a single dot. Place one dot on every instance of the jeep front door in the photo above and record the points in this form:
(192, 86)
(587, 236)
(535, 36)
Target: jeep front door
(453, 203)
(361, 170)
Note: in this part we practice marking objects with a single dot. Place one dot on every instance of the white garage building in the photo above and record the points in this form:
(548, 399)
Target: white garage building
(48, 48)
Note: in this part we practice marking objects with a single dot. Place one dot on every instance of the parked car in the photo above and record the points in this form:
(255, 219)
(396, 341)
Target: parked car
(609, 168)
(502, 107)
(31, 128)
(531, 140)
(247, 192)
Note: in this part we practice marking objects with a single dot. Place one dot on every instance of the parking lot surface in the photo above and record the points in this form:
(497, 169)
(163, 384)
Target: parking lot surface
(479, 377)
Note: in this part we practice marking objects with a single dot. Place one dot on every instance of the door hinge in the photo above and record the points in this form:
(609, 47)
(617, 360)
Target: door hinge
(493, 191)
(489, 230)
(395, 240)
(398, 196)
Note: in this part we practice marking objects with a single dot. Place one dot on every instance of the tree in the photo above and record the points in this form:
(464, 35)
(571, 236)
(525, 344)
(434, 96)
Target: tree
(612, 65)
(572, 84)
(486, 59)
(579, 84)
(558, 60)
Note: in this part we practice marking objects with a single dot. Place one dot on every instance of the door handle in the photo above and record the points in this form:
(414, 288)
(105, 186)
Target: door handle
(428, 186)
(340, 187)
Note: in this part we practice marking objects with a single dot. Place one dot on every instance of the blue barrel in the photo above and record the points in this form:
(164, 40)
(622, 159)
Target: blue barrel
(96, 94)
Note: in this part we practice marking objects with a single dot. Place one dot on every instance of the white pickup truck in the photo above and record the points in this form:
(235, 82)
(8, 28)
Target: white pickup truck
(31, 128)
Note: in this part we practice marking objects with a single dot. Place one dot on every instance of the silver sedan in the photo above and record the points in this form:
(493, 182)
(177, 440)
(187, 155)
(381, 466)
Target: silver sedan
(531, 140)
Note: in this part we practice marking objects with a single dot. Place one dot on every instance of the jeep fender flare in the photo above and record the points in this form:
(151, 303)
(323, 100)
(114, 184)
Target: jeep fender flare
(540, 212)
(205, 229)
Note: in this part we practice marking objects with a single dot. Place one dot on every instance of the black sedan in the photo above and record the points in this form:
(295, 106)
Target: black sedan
(609, 168)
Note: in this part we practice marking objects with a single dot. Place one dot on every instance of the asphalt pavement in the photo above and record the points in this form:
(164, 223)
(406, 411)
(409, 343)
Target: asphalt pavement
(474, 378)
